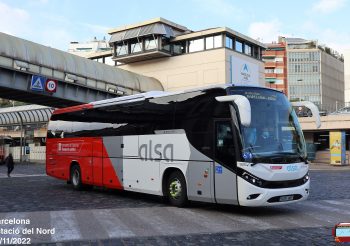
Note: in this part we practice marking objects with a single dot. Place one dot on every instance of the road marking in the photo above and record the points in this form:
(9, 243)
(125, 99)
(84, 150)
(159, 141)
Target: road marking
(157, 221)
(251, 223)
(19, 175)
(320, 204)
(203, 220)
(112, 224)
(345, 203)
(66, 226)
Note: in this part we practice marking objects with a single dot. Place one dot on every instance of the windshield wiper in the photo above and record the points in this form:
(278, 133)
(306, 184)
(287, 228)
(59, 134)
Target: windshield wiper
(297, 154)
(303, 158)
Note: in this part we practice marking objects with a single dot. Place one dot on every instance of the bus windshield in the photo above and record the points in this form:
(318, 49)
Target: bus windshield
(274, 130)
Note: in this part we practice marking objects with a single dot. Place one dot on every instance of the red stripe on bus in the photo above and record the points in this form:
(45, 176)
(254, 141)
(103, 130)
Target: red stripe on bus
(73, 108)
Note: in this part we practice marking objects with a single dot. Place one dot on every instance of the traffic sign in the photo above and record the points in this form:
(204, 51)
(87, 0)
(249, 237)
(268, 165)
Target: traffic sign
(37, 83)
(51, 85)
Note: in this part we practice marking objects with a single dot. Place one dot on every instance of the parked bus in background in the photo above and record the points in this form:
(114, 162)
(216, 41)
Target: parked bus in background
(226, 144)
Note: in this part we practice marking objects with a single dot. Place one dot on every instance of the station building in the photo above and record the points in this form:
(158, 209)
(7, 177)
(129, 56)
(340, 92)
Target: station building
(181, 58)
(173, 54)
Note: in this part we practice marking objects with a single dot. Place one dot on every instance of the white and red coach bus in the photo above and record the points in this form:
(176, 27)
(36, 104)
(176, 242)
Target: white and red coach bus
(227, 144)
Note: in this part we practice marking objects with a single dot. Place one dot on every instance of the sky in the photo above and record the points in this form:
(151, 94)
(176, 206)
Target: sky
(55, 23)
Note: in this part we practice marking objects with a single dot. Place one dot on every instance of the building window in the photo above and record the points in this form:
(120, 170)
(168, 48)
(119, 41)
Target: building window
(248, 49)
(179, 48)
(279, 82)
(196, 45)
(213, 42)
(122, 49)
(135, 47)
(218, 41)
(256, 52)
(279, 59)
(229, 42)
(279, 70)
(209, 43)
(84, 49)
(151, 43)
(239, 46)
(269, 70)
(165, 44)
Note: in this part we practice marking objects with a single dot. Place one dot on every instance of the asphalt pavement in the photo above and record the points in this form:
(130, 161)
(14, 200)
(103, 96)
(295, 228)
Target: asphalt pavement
(108, 217)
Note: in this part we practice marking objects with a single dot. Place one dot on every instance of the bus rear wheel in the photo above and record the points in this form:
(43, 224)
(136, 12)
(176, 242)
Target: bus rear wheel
(75, 177)
(176, 189)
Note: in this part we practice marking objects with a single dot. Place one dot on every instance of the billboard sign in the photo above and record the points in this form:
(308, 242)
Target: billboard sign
(244, 72)
(337, 147)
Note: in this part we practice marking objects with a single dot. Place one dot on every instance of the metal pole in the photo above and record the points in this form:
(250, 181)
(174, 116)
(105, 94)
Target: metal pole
(21, 139)
(21, 143)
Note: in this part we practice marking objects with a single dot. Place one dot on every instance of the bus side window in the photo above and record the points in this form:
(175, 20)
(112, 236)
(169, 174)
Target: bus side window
(224, 145)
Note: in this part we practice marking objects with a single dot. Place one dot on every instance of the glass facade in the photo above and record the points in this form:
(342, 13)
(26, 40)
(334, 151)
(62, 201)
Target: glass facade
(151, 43)
(239, 46)
(304, 76)
(165, 44)
(135, 47)
(162, 43)
(196, 45)
(179, 48)
(229, 42)
(122, 49)
(212, 42)
(247, 49)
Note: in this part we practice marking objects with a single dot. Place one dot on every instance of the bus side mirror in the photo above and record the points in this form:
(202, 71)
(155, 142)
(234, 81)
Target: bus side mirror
(314, 110)
(243, 105)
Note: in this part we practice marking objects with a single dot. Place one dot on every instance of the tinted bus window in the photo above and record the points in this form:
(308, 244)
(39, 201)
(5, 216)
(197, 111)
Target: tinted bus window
(118, 120)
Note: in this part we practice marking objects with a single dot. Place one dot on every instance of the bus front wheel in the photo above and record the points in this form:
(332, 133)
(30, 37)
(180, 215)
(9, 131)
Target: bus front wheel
(176, 189)
(75, 177)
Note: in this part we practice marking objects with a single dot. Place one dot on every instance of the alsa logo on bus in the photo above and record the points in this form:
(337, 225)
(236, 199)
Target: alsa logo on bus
(157, 151)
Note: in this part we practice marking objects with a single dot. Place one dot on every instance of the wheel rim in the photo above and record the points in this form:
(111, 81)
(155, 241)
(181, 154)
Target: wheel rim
(76, 177)
(175, 189)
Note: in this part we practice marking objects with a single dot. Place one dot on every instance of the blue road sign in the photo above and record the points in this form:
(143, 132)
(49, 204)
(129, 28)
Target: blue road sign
(37, 83)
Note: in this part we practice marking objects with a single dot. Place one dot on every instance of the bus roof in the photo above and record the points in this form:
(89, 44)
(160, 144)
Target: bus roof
(141, 97)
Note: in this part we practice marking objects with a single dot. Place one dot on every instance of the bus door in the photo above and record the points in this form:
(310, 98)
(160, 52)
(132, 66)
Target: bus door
(97, 161)
(225, 177)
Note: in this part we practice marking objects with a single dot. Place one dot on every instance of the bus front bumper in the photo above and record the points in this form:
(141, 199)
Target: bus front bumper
(252, 196)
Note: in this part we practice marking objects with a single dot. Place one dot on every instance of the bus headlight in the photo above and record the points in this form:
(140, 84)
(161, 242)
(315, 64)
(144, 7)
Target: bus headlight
(306, 178)
(252, 179)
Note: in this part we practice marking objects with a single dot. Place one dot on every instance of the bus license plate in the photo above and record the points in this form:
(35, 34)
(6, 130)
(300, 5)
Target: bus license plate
(286, 198)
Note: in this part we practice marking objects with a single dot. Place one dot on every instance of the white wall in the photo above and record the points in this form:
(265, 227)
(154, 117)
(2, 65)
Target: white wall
(37, 153)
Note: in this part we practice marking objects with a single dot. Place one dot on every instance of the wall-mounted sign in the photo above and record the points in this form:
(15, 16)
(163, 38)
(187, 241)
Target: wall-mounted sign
(37, 83)
(51, 85)
(41, 84)
(244, 72)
